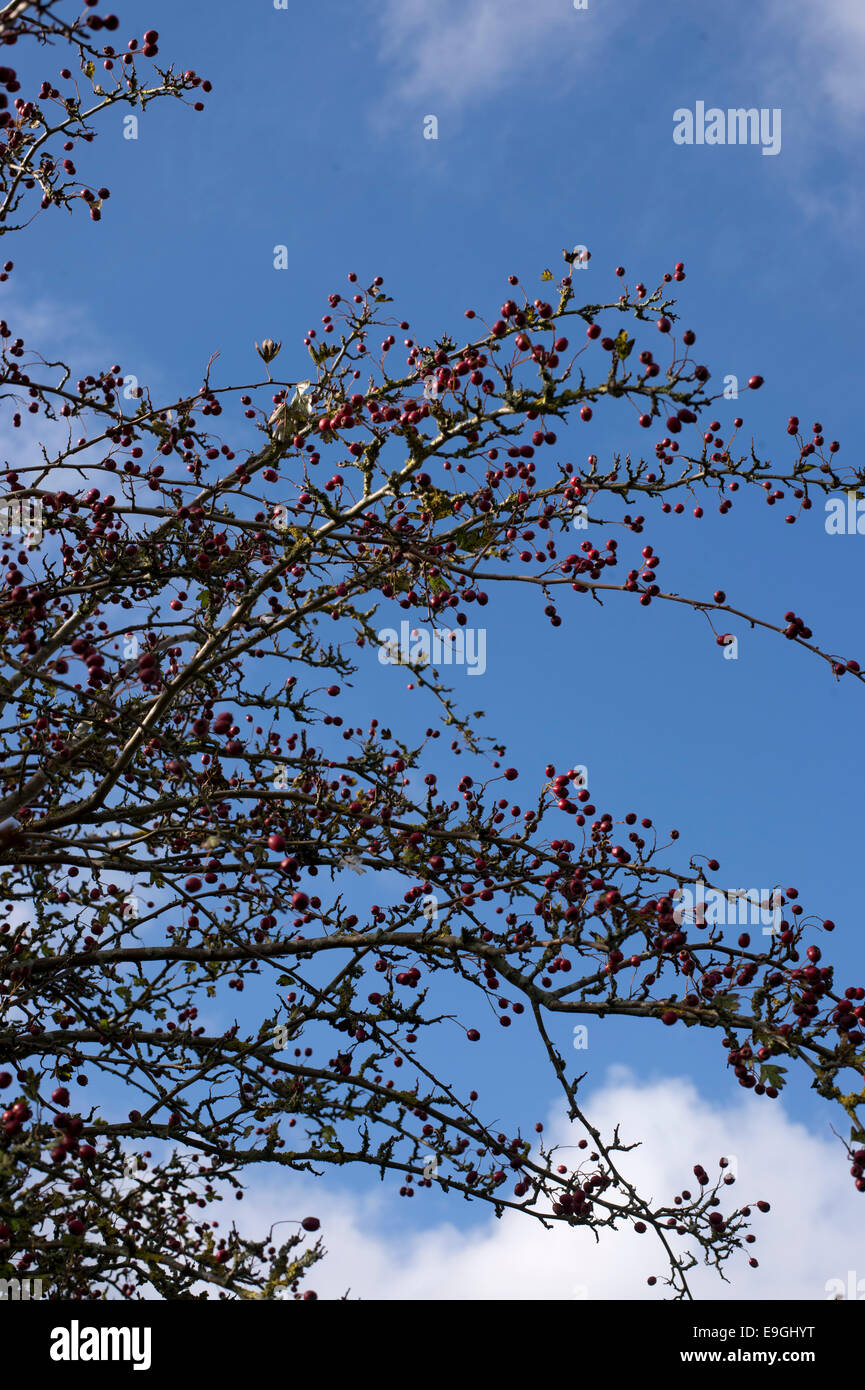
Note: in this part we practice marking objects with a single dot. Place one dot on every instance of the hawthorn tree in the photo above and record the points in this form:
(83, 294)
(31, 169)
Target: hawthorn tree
(183, 634)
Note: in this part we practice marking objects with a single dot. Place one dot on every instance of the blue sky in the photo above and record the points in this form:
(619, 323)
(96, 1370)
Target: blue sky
(555, 127)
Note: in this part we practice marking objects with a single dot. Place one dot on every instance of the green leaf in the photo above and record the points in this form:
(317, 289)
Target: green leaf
(726, 1002)
(623, 344)
(474, 541)
(89, 68)
(771, 1075)
(320, 353)
(439, 503)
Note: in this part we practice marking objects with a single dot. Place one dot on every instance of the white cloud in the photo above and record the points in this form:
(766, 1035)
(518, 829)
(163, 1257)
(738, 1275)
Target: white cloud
(812, 1234)
(828, 42)
(58, 331)
(49, 325)
(452, 52)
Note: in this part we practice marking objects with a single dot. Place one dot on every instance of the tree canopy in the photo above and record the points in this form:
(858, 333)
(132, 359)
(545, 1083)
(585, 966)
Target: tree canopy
(192, 592)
